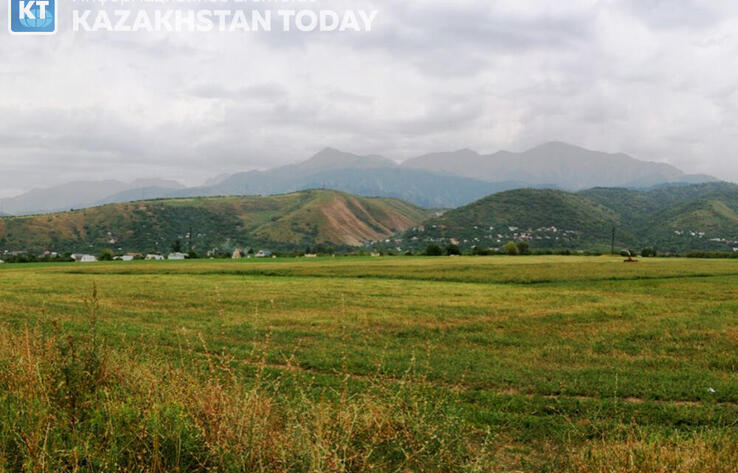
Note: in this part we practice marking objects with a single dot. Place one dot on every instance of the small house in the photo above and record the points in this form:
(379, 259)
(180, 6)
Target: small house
(85, 259)
(153, 257)
(237, 254)
(82, 258)
(264, 254)
(176, 256)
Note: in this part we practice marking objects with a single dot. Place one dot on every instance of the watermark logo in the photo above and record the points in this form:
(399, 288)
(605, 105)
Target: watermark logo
(32, 16)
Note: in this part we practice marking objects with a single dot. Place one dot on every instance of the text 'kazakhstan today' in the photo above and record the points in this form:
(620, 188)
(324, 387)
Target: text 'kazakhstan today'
(238, 20)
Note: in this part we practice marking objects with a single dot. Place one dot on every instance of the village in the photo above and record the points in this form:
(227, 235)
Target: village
(53, 256)
(492, 237)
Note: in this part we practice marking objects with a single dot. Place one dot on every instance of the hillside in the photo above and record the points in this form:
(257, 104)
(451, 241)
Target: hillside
(670, 218)
(678, 217)
(548, 218)
(291, 220)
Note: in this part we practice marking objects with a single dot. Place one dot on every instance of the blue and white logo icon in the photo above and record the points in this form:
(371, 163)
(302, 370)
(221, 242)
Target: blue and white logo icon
(32, 16)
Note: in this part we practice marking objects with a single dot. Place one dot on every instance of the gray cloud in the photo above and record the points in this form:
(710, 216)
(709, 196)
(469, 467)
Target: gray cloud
(653, 78)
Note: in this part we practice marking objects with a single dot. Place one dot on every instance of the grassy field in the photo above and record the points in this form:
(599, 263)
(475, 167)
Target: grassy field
(528, 364)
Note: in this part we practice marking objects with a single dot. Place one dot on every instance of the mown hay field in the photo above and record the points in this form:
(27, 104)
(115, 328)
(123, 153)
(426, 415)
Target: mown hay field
(571, 364)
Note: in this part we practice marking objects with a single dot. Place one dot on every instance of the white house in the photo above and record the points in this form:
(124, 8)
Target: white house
(153, 257)
(2, 262)
(264, 254)
(82, 258)
(176, 256)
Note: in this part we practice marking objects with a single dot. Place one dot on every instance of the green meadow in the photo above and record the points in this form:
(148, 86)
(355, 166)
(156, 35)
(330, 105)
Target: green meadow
(533, 364)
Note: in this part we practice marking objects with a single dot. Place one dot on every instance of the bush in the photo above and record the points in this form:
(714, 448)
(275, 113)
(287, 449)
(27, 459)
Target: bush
(453, 250)
(511, 249)
(524, 248)
(107, 255)
(433, 250)
(648, 253)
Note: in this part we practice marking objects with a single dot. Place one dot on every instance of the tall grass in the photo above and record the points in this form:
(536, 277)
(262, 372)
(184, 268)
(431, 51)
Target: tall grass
(640, 453)
(72, 403)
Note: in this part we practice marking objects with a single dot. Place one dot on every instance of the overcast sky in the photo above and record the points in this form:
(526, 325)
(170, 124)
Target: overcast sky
(657, 79)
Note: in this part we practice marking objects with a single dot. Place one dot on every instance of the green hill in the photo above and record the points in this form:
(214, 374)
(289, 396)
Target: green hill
(548, 218)
(671, 218)
(677, 218)
(290, 220)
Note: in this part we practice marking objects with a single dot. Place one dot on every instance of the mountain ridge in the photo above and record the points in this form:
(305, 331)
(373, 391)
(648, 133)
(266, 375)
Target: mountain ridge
(568, 166)
(435, 180)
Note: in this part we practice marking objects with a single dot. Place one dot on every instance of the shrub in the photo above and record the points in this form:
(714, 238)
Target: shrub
(107, 255)
(433, 250)
(453, 250)
(511, 249)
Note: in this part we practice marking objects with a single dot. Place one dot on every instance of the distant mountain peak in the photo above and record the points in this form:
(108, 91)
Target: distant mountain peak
(162, 183)
(563, 147)
(329, 151)
(332, 158)
(467, 151)
(559, 144)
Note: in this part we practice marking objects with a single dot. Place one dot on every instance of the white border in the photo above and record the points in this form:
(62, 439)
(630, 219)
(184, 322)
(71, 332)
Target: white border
(32, 33)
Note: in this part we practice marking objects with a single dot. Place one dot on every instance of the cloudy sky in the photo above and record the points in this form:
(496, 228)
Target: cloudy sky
(657, 79)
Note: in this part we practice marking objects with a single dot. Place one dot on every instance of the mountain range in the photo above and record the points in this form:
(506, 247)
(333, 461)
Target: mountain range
(439, 180)
(670, 218)
(555, 165)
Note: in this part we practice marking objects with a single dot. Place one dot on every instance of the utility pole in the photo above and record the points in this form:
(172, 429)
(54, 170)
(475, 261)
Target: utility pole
(612, 246)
